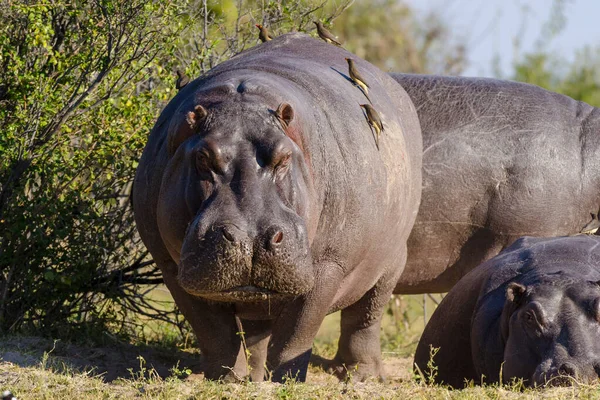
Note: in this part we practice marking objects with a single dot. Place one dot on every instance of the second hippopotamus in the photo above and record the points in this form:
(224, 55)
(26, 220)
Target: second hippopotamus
(532, 313)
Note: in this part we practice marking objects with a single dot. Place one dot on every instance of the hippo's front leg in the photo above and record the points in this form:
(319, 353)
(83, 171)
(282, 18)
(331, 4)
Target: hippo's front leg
(216, 329)
(359, 349)
(295, 329)
(257, 335)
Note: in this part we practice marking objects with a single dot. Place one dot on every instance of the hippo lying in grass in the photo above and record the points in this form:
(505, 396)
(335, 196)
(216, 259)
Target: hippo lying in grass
(263, 198)
(501, 160)
(532, 313)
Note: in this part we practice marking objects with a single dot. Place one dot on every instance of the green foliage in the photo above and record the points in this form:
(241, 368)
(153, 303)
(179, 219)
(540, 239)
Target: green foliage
(216, 31)
(389, 34)
(579, 79)
(75, 108)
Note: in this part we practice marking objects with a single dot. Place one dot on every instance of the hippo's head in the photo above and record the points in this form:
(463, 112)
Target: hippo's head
(551, 331)
(234, 199)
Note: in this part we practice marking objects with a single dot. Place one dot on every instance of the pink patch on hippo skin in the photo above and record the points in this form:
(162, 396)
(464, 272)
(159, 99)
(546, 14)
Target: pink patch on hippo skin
(293, 133)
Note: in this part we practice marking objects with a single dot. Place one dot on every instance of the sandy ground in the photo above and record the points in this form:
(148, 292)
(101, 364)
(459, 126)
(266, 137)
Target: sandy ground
(121, 360)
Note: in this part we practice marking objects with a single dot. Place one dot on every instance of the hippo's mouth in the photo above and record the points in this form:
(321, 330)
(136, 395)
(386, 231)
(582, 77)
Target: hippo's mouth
(245, 294)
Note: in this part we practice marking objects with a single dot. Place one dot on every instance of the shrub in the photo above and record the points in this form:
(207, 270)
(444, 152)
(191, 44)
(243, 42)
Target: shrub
(76, 103)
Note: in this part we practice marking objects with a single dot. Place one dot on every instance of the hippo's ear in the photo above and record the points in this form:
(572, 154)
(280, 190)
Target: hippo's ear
(195, 117)
(180, 131)
(285, 114)
(515, 292)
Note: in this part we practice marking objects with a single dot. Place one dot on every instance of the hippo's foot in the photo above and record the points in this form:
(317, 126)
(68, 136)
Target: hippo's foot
(294, 369)
(355, 371)
(224, 375)
(216, 370)
(349, 371)
(227, 377)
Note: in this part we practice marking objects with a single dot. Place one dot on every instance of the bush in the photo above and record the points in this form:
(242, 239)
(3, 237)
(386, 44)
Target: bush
(77, 102)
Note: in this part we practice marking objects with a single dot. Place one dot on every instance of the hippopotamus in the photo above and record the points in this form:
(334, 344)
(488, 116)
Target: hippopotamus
(501, 160)
(263, 198)
(532, 313)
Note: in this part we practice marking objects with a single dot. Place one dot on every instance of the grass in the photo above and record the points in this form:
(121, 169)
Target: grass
(46, 383)
(36, 368)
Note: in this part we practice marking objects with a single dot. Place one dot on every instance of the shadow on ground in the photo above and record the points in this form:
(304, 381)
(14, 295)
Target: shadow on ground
(120, 360)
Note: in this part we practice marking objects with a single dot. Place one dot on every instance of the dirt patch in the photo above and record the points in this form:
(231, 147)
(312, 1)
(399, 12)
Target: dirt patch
(111, 362)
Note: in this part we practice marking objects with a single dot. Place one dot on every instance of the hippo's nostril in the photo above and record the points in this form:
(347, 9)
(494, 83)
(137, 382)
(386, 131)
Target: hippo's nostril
(567, 369)
(273, 238)
(228, 235)
(277, 238)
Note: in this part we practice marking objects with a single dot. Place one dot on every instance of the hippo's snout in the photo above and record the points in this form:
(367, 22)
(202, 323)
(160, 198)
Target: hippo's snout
(205, 257)
(225, 260)
(564, 374)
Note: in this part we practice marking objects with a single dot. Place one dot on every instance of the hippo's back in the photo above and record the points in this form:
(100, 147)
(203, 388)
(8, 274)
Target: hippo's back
(501, 160)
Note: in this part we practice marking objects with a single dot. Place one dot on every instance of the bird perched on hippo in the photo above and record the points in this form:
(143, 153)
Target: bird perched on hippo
(325, 34)
(263, 33)
(532, 313)
(266, 203)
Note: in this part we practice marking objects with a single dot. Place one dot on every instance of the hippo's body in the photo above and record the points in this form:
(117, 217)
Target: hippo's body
(531, 312)
(501, 160)
(272, 217)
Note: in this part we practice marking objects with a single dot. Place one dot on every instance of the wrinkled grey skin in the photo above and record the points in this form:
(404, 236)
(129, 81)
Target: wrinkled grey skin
(531, 312)
(501, 160)
(272, 229)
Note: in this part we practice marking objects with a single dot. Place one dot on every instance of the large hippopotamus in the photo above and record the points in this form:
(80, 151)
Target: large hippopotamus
(531, 312)
(501, 160)
(263, 198)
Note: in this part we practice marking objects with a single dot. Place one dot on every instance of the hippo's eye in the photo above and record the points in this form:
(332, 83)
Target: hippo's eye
(531, 323)
(533, 318)
(210, 160)
(203, 164)
(281, 158)
(282, 165)
(595, 308)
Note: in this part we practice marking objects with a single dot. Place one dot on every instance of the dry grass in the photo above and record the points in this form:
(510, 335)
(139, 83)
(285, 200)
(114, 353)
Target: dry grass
(35, 368)
(45, 382)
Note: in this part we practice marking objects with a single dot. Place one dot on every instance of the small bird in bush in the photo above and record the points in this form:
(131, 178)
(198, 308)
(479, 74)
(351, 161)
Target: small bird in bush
(182, 80)
(325, 34)
(374, 121)
(264, 33)
(356, 77)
